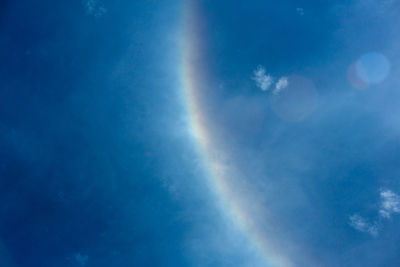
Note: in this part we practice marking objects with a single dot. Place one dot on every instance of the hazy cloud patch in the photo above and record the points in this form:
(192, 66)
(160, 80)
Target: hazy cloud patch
(390, 203)
(262, 79)
(81, 259)
(94, 8)
(363, 225)
(282, 83)
(300, 11)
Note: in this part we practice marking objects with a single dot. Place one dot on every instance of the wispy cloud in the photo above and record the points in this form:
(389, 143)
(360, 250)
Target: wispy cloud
(94, 8)
(282, 83)
(81, 259)
(390, 203)
(262, 79)
(363, 225)
(300, 11)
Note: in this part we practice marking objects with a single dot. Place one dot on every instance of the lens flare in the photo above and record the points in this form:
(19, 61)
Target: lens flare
(296, 101)
(373, 68)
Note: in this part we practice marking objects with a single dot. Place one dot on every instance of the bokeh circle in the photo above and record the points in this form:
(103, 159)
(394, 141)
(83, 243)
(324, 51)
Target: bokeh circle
(372, 68)
(296, 101)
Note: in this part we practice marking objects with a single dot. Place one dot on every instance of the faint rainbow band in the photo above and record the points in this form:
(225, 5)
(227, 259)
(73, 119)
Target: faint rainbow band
(216, 171)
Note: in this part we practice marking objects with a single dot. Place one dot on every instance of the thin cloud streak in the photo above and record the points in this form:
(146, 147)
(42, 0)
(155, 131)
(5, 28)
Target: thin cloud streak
(361, 224)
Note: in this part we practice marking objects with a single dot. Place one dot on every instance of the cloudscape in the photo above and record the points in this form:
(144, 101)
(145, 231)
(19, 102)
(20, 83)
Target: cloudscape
(199, 133)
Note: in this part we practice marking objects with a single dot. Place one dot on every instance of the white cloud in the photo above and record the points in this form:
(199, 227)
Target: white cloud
(361, 224)
(282, 83)
(390, 203)
(262, 79)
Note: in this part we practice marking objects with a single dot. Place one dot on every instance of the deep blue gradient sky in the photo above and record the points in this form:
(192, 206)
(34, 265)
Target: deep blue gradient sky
(98, 166)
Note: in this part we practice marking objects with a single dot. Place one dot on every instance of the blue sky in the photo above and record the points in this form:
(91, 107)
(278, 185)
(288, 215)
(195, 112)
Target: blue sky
(101, 163)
